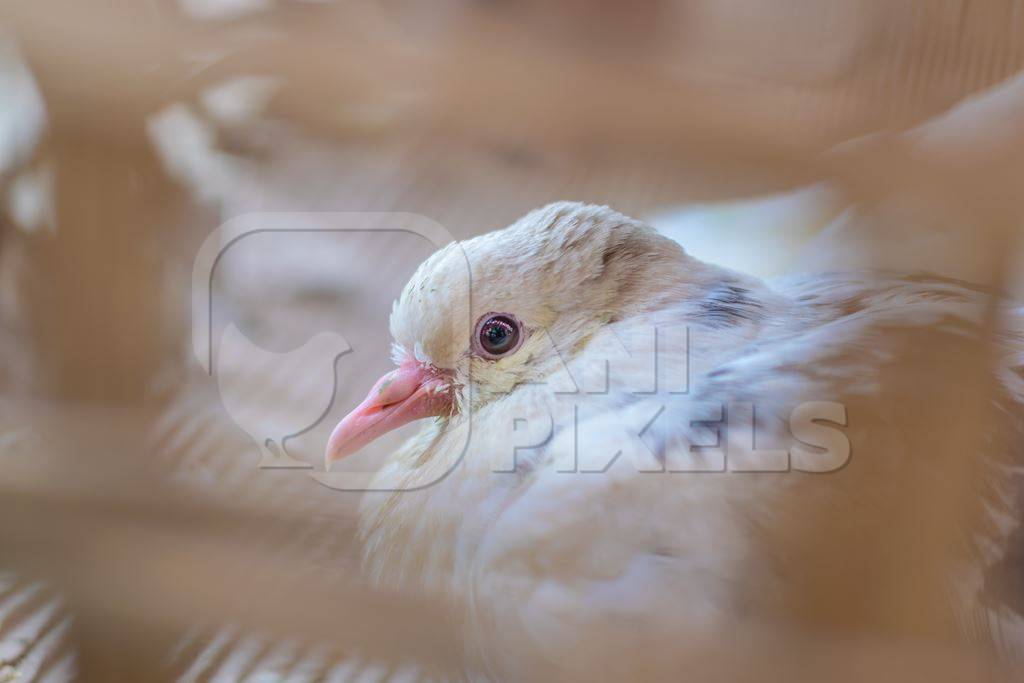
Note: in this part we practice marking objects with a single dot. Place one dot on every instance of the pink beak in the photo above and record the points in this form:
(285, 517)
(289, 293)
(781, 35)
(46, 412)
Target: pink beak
(410, 392)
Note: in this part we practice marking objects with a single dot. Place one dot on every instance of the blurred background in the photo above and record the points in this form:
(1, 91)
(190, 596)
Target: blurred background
(142, 535)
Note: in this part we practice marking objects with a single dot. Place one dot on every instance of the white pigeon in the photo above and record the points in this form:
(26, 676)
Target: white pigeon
(634, 453)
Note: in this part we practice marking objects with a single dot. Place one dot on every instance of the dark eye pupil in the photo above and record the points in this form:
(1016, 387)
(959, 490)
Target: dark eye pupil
(499, 335)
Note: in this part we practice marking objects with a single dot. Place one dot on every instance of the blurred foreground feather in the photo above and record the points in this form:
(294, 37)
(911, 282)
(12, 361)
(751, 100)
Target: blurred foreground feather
(141, 565)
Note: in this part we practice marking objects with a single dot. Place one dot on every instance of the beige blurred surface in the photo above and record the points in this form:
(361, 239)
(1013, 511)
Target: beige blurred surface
(164, 119)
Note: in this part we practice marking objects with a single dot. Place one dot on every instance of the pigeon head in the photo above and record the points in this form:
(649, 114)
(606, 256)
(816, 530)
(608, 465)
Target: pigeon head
(483, 316)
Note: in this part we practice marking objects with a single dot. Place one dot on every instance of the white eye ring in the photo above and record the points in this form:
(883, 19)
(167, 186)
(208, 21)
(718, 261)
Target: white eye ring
(497, 335)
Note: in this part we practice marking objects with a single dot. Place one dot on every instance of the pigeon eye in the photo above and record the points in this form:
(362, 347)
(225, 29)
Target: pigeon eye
(497, 335)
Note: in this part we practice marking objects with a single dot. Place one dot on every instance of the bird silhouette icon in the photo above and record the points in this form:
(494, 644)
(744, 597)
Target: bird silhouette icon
(274, 396)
